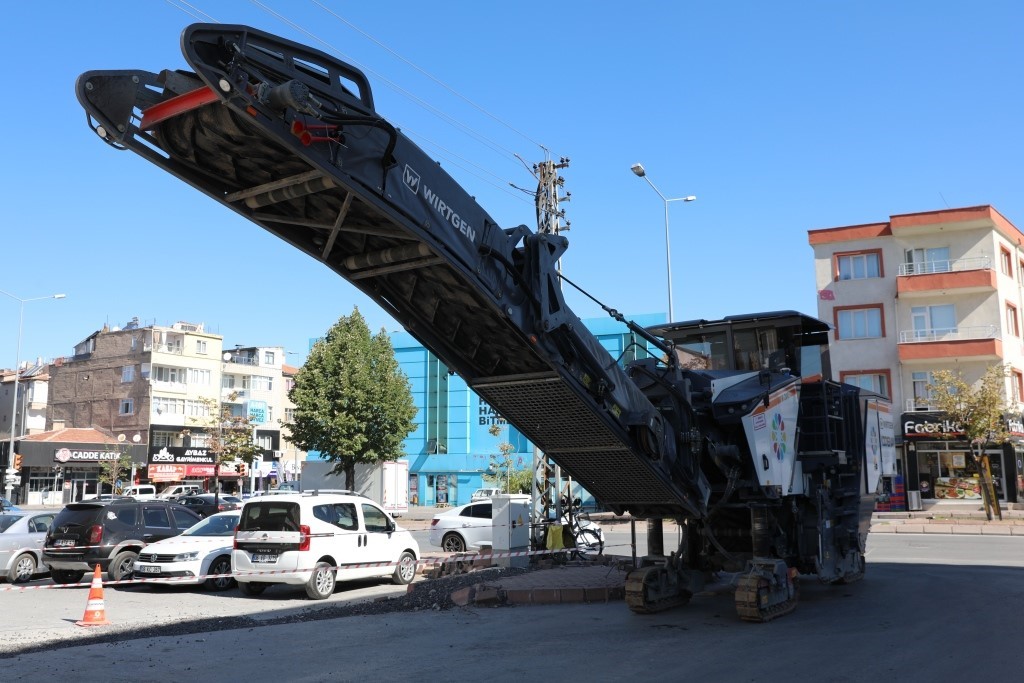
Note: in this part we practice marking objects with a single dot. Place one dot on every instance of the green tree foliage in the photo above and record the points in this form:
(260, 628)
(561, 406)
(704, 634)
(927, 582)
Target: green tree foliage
(352, 402)
(505, 476)
(979, 410)
(112, 471)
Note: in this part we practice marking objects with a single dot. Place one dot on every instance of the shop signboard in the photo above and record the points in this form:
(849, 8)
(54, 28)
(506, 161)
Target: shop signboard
(161, 473)
(177, 455)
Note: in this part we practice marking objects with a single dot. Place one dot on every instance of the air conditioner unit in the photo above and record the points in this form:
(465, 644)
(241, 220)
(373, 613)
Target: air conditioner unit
(278, 454)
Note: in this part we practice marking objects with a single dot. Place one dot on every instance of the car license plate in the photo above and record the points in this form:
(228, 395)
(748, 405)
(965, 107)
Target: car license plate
(147, 569)
(264, 558)
(64, 542)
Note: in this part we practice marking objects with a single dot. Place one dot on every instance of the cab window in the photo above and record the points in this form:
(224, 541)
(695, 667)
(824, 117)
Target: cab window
(374, 518)
(182, 519)
(156, 518)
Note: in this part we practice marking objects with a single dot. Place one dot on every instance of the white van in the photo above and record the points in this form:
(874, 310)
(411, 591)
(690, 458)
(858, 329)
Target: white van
(178, 490)
(140, 492)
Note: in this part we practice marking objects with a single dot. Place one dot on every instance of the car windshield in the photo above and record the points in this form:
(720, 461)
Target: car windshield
(214, 526)
(7, 520)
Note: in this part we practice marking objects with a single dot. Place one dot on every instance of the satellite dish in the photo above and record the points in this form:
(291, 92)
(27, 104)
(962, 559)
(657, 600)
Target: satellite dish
(227, 356)
(137, 438)
(120, 438)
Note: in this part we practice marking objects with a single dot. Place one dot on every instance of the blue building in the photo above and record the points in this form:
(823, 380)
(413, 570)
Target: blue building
(452, 447)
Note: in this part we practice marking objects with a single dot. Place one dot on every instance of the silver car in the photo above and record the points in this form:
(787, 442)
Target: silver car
(21, 541)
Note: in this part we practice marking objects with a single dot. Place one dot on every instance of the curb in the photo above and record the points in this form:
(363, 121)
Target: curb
(482, 595)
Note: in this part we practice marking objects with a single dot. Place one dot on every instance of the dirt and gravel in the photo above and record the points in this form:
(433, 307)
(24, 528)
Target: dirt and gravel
(427, 594)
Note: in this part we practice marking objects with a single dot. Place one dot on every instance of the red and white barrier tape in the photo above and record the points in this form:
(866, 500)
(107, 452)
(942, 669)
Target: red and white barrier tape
(429, 561)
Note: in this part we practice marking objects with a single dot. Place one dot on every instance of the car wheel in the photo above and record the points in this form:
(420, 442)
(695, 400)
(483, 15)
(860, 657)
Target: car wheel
(222, 565)
(65, 576)
(22, 569)
(321, 584)
(122, 565)
(453, 543)
(405, 572)
(252, 587)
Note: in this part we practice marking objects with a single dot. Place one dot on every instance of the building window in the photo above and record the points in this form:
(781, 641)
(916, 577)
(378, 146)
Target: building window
(197, 408)
(134, 343)
(858, 266)
(289, 414)
(859, 323)
(268, 357)
(163, 439)
(199, 440)
(227, 382)
(201, 346)
(168, 406)
(258, 382)
(934, 260)
(127, 373)
(126, 407)
(1011, 320)
(1005, 261)
(869, 380)
(198, 377)
(162, 373)
(1017, 380)
(922, 381)
(933, 323)
(435, 413)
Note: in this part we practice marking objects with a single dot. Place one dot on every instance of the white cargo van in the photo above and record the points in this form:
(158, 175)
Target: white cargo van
(140, 492)
(178, 490)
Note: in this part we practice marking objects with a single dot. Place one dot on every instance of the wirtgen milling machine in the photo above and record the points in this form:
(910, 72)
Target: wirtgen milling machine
(732, 428)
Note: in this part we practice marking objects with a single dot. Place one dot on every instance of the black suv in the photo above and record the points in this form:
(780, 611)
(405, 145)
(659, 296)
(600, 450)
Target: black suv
(108, 534)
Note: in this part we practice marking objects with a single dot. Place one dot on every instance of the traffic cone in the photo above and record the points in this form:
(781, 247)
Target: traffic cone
(95, 614)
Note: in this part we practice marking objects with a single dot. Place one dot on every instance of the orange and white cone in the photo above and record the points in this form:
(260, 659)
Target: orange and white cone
(95, 614)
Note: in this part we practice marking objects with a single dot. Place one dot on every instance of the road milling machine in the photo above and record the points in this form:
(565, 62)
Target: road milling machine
(732, 428)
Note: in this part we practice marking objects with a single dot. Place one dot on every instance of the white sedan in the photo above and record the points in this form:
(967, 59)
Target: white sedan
(21, 543)
(201, 551)
(462, 528)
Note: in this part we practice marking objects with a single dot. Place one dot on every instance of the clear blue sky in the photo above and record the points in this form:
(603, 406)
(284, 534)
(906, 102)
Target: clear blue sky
(780, 117)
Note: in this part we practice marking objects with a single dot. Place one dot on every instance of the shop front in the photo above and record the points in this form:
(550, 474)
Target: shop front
(940, 465)
(65, 465)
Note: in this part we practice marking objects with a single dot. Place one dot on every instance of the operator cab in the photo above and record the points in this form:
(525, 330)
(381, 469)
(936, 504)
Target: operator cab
(752, 342)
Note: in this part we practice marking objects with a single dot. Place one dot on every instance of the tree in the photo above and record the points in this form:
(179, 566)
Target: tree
(229, 437)
(979, 410)
(352, 402)
(505, 477)
(112, 471)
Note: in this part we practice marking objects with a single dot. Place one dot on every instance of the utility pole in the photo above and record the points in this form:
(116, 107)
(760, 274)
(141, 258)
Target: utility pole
(544, 494)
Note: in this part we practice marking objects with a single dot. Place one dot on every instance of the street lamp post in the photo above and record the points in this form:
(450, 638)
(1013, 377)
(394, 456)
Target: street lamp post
(17, 362)
(638, 169)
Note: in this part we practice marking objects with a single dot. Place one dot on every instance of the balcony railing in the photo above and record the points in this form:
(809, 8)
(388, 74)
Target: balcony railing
(946, 266)
(176, 349)
(949, 334)
(244, 360)
(918, 405)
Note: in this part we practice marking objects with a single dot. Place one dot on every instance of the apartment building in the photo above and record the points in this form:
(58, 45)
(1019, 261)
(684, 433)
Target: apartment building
(156, 387)
(922, 292)
(30, 405)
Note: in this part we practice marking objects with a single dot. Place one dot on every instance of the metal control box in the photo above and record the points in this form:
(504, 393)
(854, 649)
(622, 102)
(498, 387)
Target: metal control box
(511, 529)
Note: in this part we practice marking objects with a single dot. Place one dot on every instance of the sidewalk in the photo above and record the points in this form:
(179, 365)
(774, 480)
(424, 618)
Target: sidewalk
(951, 517)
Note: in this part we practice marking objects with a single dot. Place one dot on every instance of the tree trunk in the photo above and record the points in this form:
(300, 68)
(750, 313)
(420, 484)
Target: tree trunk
(350, 475)
(988, 488)
(216, 485)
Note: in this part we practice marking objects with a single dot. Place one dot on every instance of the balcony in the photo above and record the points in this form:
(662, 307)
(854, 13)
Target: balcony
(244, 360)
(960, 276)
(968, 343)
(918, 405)
(174, 349)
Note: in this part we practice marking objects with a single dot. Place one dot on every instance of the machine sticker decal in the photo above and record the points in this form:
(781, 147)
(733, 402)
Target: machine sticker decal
(759, 421)
(779, 436)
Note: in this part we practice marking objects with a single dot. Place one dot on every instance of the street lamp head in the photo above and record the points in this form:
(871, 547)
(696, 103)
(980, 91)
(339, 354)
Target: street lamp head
(638, 169)
(691, 198)
(59, 296)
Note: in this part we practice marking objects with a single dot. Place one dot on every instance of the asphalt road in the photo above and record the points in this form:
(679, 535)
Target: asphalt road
(930, 608)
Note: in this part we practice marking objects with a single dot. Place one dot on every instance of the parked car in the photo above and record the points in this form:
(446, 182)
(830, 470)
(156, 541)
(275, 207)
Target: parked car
(6, 505)
(203, 503)
(462, 528)
(176, 491)
(84, 535)
(21, 544)
(106, 498)
(140, 492)
(469, 526)
(200, 551)
(300, 539)
(485, 494)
